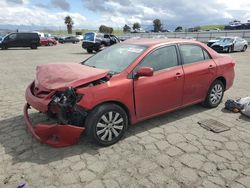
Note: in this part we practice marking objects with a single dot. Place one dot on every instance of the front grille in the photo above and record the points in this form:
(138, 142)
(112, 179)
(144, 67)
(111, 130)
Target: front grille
(218, 48)
(210, 44)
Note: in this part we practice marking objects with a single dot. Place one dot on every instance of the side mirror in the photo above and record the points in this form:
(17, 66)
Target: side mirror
(144, 71)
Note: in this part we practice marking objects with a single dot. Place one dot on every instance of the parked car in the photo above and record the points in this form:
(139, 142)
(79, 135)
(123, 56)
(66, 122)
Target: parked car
(123, 38)
(45, 41)
(128, 83)
(31, 40)
(80, 37)
(217, 39)
(140, 30)
(230, 44)
(70, 39)
(97, 41)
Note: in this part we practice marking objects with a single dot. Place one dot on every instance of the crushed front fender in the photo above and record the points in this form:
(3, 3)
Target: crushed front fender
(54, 135)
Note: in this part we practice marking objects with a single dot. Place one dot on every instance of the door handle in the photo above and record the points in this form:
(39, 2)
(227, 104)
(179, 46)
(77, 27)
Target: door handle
(178, 75)
(211, 67)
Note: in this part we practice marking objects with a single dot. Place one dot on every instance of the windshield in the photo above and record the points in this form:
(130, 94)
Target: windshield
(227, 40)
(116, 58)
(89, 36)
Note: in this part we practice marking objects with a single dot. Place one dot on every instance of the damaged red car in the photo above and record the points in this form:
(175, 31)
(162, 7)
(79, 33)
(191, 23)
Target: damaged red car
(124, 84)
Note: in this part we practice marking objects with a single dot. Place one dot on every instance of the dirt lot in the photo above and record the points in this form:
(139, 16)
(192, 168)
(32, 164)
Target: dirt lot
(168, 151)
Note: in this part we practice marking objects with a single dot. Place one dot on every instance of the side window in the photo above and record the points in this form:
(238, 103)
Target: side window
(206, 56)
(191, 53)
(23, 36)
(162, 58)
(13, 37)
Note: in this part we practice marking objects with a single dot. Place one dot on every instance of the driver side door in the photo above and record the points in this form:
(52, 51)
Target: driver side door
(12, 40)
(163, 91)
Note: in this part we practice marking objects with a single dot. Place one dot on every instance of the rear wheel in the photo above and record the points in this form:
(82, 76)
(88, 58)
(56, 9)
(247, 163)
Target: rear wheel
(106, 124)
(33, 46)
(50, 44)
(215, 94)
(89, 50)
(244, 48)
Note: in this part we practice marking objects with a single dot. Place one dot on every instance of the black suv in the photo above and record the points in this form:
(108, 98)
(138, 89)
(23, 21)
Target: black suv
(31, 40)
(97, 41)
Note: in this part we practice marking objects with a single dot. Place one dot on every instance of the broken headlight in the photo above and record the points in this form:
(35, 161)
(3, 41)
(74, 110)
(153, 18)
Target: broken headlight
(68, 97)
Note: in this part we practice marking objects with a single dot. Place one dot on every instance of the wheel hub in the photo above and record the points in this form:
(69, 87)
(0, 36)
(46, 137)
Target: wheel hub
(109, 126)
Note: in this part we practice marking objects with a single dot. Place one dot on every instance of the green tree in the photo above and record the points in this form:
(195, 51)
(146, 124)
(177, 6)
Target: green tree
(136, 26)
(105, 29)
(179, 29)
(157, 25)
(126, 28)
(69, 23)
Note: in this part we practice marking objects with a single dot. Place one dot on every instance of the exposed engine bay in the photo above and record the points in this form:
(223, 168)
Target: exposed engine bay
(63, 105)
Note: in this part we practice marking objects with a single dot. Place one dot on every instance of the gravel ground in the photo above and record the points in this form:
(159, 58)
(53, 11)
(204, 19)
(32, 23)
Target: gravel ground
(168, 151)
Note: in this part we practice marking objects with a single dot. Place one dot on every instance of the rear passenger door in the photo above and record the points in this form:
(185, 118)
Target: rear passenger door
(199, 70)
(24, 40)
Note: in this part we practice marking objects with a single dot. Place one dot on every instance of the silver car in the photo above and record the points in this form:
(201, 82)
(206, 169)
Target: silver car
(230, 44)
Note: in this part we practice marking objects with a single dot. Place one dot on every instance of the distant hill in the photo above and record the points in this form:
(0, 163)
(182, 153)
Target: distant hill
(209, 27)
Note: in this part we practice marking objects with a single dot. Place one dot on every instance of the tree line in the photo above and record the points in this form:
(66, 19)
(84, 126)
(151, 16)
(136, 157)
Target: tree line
(157, 25)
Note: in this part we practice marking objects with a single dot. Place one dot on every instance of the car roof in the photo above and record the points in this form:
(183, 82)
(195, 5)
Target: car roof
(153, 42)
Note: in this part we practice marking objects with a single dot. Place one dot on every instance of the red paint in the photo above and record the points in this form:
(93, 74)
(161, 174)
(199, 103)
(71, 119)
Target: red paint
(47, 41)
(59, 76)
(143, 97)
(54, 135)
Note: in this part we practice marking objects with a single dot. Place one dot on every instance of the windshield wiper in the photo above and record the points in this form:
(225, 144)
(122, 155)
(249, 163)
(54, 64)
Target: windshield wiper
(111, 73)
(90, 65)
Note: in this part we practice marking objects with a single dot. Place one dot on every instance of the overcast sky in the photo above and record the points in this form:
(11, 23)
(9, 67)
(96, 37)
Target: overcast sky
(116, 13)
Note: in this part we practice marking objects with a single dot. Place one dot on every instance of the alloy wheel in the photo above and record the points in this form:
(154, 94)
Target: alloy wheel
(216, 94)
(109, 126)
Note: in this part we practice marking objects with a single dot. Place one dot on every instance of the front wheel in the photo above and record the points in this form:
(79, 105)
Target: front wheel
(215, 94)
(230, 49)
(106, 124)
(89, 50)
(4, 47)
(244, 48)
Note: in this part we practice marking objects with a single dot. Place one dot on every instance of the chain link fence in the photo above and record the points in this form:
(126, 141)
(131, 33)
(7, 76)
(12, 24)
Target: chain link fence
(200, 36)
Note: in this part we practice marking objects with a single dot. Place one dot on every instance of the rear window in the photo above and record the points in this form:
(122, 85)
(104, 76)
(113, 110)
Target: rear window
(89, 37)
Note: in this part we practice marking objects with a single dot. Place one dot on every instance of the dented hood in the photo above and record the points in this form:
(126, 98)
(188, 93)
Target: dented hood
(58, 76)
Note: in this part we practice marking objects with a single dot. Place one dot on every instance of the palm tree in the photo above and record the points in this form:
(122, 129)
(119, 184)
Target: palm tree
(157, 25)
(69, 23)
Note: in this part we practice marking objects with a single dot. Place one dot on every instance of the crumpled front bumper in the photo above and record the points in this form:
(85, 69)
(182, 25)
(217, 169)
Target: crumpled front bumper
(54, 135)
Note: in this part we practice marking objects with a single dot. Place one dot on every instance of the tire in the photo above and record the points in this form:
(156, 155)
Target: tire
(244, 48)
(50, 44)
(4, 47)
(215, 94)
(230, 49)
(89, 50)
(106, 124)
(33, 46)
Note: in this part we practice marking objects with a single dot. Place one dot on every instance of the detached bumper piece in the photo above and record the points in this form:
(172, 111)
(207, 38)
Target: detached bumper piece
(54, 135)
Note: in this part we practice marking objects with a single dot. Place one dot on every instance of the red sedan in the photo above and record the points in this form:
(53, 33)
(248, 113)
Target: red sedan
(124, 84)
(47, 41)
